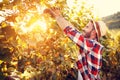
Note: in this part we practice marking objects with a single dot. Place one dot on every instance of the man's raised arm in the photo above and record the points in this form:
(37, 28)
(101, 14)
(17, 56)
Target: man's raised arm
(66, 26)
(61, 21)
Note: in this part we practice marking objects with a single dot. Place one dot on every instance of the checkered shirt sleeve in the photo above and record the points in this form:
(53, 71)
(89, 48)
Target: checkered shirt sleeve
(90, 59)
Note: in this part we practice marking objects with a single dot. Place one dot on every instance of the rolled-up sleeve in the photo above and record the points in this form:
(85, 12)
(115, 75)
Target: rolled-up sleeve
(70, 31)
(74, 35)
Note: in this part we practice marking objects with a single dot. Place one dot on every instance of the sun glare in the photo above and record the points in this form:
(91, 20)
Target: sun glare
(1, 0)
(33, 23)
(39, 25)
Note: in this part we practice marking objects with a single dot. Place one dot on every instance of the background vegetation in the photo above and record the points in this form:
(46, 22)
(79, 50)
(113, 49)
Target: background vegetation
(32, 46)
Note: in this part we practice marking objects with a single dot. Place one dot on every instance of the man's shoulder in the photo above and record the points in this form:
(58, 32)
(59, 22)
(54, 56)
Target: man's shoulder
(94, 42)
(98, 43)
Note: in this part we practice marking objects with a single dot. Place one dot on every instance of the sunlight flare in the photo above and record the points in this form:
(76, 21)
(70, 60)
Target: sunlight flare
(39, 25)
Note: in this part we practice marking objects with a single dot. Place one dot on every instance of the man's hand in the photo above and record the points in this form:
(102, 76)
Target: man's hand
(61, 21)
(54, 12)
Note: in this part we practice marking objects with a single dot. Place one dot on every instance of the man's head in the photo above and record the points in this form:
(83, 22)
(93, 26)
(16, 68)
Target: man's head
(94, 30)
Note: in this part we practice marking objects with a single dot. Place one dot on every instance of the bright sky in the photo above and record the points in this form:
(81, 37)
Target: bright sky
(106, 7)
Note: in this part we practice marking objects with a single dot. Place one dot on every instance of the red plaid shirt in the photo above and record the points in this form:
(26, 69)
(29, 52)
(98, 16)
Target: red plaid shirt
(89, 58)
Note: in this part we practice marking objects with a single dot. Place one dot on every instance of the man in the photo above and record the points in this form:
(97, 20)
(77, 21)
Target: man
(90, 52)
